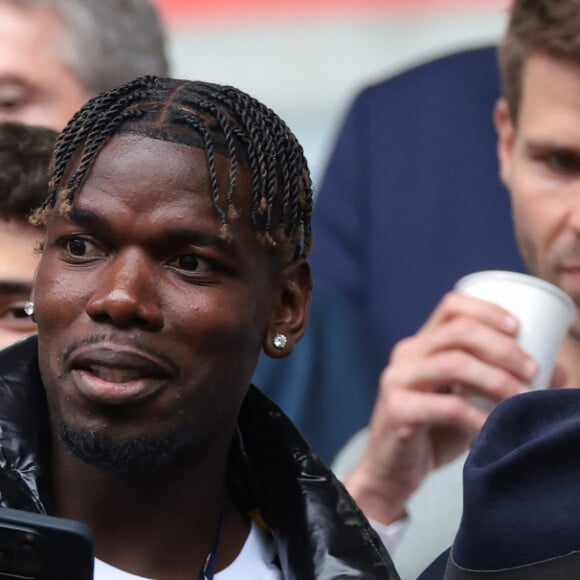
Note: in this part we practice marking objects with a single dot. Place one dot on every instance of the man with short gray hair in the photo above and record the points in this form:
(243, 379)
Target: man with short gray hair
(56, 54)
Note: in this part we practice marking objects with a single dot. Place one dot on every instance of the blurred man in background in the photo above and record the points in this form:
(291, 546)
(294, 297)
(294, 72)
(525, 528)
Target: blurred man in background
(24, 156)
(424, 416)
(55, 54)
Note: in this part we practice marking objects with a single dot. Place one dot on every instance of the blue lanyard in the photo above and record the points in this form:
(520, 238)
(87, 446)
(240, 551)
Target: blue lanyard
(208, 569)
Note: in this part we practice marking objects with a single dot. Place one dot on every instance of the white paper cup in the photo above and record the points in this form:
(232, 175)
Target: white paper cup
(544, 311)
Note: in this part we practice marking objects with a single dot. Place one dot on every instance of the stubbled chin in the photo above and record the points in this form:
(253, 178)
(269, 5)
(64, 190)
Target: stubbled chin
(124, 456)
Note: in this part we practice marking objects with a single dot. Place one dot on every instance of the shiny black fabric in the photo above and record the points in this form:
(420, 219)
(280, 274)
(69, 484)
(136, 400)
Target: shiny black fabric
(319, 531)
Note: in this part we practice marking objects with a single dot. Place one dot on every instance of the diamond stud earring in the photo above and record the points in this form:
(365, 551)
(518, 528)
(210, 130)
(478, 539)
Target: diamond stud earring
(29, 307)
(280, 340)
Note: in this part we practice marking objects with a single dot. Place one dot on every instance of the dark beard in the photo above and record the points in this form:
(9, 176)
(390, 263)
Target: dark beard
(130, 456)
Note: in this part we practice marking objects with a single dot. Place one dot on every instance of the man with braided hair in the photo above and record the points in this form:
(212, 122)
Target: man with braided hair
(177, 230)
(54, 55)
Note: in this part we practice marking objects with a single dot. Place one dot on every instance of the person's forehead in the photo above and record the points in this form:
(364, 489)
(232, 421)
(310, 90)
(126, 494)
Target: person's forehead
(550, 92)
(147, 158)
(162, 181)
(29, 30)
(167, 166)
(35, 79)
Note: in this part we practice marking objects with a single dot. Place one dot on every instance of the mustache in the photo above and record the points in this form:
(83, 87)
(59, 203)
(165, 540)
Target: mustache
(110, 340)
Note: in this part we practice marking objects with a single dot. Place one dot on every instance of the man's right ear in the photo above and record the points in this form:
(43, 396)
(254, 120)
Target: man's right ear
(506, 134)
(290, 309)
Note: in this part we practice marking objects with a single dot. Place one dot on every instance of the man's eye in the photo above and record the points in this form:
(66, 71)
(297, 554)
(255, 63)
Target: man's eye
(79, 247)
(11, 100)
(8, 105)
(16, 313)
(76, 247)
(191, 263)
(564, 162)
(13, 317)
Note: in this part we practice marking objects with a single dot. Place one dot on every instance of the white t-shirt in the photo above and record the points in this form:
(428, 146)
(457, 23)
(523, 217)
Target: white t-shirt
(254, 562)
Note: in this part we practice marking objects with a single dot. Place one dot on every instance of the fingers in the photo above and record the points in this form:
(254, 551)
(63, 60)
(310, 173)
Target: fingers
(411, 433)
(465, 342)
(455, 304)
(419, 421)
(403, 415)
(484, 342)
(436, 410)
(437, 372)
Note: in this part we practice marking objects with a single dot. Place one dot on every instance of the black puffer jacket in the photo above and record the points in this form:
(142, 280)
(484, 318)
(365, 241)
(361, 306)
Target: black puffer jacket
(319, 531)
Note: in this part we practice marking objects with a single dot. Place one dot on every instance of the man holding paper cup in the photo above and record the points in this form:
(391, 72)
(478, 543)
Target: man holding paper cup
(427, 410)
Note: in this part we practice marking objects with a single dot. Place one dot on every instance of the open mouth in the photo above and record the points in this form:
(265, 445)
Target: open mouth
(120, 375)
(112, 376)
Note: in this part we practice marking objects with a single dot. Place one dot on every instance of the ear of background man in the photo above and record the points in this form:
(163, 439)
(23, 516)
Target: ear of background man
(504, 126)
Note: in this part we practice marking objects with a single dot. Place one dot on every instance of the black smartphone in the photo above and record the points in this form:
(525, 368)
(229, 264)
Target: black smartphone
(40, 547)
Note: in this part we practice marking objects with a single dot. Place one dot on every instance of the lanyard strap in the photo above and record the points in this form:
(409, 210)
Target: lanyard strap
(208, 569)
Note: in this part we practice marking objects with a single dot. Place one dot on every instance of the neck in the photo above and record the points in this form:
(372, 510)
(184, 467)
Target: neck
(160, 524)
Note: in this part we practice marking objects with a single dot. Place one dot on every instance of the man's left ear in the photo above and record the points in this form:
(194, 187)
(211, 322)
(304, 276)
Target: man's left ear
(506, 136)
(290, 309)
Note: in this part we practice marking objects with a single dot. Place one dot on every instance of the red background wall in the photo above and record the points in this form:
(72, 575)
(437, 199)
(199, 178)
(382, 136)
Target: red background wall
(217, 9)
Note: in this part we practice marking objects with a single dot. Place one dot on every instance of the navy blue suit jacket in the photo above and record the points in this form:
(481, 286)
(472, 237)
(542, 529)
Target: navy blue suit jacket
(411, 200)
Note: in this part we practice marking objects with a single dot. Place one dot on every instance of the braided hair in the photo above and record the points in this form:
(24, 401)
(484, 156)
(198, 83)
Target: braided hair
(217, 118)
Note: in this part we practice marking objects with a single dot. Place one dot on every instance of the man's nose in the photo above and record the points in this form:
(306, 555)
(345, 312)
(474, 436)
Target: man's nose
(126, 294)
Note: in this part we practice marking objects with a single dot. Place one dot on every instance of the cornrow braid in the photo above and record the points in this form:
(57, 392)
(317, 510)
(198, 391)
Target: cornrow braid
(229, 135)
(221, 120)
(194, 123)
(251, 149)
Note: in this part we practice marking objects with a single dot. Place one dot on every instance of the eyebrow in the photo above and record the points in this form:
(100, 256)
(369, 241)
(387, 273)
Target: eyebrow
(196, 237)
(7, 288)
(539, 145)
(14, 79)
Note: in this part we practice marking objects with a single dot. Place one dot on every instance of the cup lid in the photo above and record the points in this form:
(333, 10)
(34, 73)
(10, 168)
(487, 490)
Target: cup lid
(527, 279)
